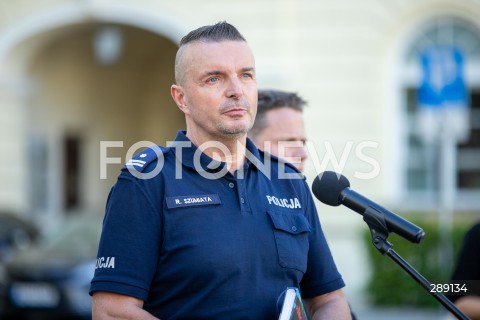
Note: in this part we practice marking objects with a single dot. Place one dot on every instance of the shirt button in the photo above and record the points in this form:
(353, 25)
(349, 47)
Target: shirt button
(242, 200)
(294, 229)
(231, 185)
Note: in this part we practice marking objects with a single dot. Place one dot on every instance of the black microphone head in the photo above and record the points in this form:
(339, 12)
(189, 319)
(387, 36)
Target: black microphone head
(328, 186)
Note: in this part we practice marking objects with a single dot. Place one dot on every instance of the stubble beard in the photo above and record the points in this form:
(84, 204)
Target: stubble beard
(233, 131)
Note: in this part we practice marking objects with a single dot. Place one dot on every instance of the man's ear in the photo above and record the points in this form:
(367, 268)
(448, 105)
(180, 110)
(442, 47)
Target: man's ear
(179, 98)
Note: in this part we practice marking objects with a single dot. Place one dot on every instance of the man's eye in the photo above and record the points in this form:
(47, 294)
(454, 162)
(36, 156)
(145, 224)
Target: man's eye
(247, 75)
(212, 79)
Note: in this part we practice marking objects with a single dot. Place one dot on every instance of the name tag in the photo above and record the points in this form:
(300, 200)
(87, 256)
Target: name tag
(187, 201)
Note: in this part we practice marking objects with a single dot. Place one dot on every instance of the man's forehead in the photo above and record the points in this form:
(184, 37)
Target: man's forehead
(220, 43)
(208, 50)
(286, 121)
(285, 112)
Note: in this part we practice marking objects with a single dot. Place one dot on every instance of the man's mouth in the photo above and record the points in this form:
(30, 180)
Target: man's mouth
(235, 112)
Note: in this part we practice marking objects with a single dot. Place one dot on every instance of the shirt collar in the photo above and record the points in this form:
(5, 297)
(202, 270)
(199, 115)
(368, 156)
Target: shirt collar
(185, 151)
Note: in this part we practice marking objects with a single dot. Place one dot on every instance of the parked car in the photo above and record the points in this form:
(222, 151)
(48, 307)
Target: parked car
(16, 233)
(51, 279)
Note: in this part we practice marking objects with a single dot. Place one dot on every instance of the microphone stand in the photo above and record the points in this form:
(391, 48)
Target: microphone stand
(378, 227)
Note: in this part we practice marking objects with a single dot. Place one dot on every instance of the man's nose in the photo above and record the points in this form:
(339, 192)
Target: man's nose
(234, 88)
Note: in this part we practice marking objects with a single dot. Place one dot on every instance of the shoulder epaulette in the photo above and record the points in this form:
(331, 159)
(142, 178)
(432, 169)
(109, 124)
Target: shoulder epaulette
(142, 159)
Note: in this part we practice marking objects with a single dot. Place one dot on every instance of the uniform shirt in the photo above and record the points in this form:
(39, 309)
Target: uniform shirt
(197, 247)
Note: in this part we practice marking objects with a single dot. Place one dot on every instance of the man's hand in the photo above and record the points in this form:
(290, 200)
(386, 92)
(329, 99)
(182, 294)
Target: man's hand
(332, 305)
(107, 305)
(470, 305)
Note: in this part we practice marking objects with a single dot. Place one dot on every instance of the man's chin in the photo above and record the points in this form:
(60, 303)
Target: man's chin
(234, 130)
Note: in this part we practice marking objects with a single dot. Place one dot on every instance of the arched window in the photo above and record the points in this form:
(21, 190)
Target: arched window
(422, 161)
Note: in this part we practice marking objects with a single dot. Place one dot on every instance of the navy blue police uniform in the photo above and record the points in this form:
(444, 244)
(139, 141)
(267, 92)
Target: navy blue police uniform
(194, 241)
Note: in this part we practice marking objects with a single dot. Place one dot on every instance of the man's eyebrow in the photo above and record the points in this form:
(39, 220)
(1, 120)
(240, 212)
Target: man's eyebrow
(293, 139)
(213, 73)
(247, 69)
(218, 72)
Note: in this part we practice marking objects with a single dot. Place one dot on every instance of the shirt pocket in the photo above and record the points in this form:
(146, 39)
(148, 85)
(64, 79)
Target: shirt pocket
(291, 232)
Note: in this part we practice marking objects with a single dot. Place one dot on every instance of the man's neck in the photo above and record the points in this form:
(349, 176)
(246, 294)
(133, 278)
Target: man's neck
(230, 150)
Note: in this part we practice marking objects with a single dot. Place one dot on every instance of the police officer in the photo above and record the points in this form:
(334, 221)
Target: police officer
(211, 227)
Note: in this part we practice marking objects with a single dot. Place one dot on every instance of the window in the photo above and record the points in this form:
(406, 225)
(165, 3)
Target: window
(422, 164)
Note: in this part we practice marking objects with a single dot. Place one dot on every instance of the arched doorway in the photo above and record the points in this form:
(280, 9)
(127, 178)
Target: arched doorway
(71, 99)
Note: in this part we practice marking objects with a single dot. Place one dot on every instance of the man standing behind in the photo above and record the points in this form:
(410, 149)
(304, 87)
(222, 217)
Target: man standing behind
(279, 127)
(211, 235)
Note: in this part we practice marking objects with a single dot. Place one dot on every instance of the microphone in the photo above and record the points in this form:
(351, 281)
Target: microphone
(333, 189)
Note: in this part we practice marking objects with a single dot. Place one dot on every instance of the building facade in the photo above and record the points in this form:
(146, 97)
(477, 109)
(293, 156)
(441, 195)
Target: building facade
(83, 81)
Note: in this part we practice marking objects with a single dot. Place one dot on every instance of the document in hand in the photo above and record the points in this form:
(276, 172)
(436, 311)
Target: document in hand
(292, 307)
